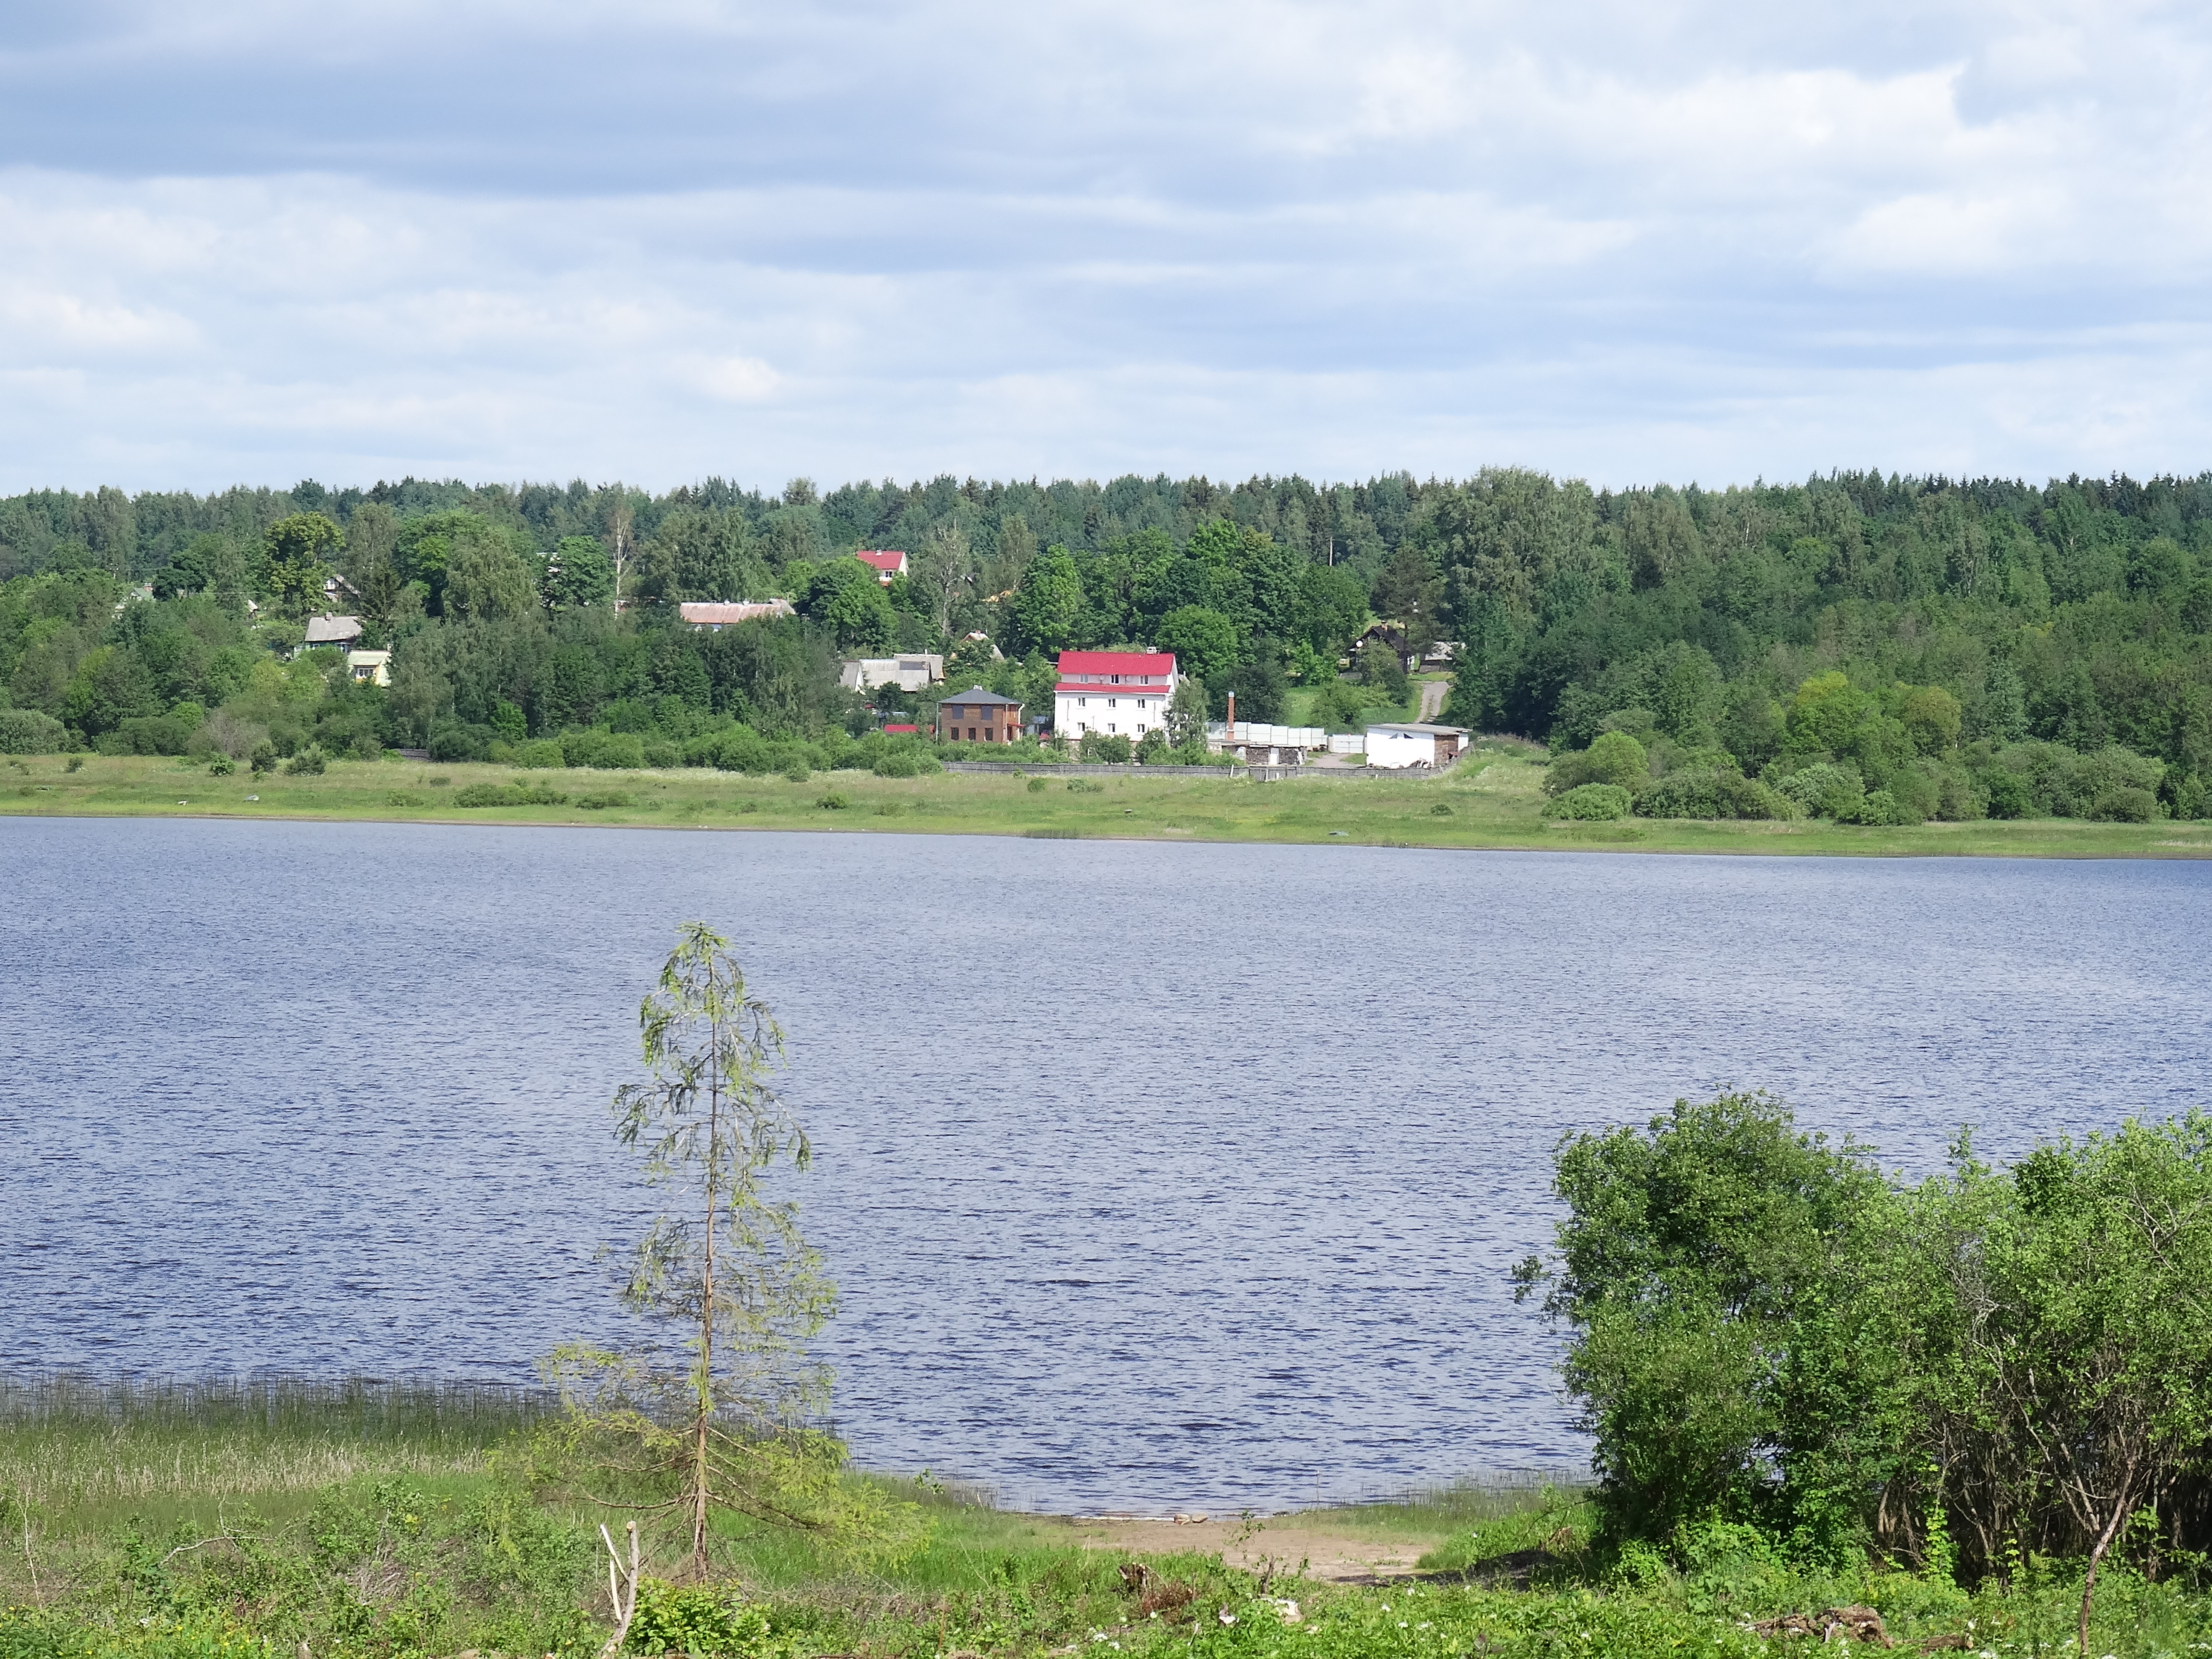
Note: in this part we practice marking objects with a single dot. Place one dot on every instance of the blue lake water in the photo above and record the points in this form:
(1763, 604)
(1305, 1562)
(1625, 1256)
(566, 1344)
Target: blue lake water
(1154, 1175)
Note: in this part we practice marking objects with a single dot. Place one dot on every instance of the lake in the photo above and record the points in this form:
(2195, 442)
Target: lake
(1154, 1175)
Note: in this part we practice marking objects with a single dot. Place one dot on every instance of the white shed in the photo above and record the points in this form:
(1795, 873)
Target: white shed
(1398, 747)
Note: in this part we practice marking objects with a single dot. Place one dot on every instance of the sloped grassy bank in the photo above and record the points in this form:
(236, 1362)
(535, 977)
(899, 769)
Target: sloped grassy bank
(391, 1521)
(1493, 799)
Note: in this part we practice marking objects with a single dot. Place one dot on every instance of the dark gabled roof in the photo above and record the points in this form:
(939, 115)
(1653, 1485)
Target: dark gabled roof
(977, 694)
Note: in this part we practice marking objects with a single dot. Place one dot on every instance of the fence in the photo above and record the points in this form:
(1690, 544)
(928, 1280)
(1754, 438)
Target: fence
(1089, 768)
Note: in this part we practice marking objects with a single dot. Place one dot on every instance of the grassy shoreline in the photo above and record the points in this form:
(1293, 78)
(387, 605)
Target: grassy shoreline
(1492, 801)
(408, 1520)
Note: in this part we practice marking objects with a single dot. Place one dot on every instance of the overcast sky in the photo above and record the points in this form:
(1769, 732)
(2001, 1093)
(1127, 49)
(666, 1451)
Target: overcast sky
(248, 241)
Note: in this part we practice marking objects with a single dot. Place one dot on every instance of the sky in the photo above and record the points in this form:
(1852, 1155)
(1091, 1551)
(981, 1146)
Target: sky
(244, 241)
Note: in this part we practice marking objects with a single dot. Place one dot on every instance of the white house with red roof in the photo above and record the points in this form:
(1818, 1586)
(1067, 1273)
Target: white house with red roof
(1116, 693)
(886, 563)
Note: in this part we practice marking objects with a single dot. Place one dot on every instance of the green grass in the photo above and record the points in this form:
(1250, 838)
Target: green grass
(1491, 798)
(403, 1520)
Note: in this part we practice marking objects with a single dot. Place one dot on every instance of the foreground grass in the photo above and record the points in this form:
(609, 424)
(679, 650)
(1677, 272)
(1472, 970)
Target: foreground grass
(396, 1520)
(1492, 800)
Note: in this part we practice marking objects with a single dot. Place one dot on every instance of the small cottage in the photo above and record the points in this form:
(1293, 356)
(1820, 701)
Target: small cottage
(1413, 743)
(979, 716)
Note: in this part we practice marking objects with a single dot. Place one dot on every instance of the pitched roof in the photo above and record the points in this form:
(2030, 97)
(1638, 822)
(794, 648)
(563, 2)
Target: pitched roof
(976, 694)
(332, 630)
(1416, 728)
(1116, 662)
(711, 613)
(887, 559)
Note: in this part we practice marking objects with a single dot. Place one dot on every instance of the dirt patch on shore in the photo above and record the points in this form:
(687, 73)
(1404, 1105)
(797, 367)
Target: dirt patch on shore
(1339, 1555)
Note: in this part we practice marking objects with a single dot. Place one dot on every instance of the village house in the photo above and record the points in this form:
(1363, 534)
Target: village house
(915, 673)
(1116, 693)
(887, 562)
(714, 615)
(979, 716)
(343, 632)
(1396, 746)
(373, 666)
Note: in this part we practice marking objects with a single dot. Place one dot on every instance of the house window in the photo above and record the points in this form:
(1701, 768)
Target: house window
(1112, 702)
(1083, 702)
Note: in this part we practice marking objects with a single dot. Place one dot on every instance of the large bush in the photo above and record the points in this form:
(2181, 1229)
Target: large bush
(1593, 801)
(1823, 790)
(607, 750)
(1614, 757)
(27, 731)
(1711, 793)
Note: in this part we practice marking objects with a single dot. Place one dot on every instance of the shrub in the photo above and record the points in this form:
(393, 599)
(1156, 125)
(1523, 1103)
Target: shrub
(27, 731)
(1823, 790)
(896, 766)
(221, 766)
(308, 762)
(456, 740)
(661, 755)
(1594, 801)
(1614, 757)
(600, 800)
(832, 802)
(1882, 809)
(2009, 794)
(605, 751)
(263, 760)
(695, 1619)
(796, 772)
(1036, 786)
(1711, 793)
(517, 794)
(1085, 786)
(2126, 805)
(1105, 748)
(539, 754)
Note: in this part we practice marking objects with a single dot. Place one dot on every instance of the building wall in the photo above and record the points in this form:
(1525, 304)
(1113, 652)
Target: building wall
(1111, 711)
(1399, 748)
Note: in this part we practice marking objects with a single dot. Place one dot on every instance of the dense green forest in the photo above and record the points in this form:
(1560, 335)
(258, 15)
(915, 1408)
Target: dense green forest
(1858, 645)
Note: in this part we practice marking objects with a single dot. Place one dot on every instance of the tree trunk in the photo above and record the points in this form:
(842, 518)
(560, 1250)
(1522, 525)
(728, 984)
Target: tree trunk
(699, 1469)
(2120, 1505)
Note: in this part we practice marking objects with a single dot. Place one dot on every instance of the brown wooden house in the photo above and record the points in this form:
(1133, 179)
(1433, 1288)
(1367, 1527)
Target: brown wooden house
(979, 716)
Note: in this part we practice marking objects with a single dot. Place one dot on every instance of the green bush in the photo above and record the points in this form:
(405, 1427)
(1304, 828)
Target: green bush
(1105, 748)
(606, 751)
(695, 1619)
(832, 802)
(662, 755)
(1594, 801)
(27, 731)
(310, 762)
(1823, 790)
(517, 794)
(263, 760)
(1711, 793)
(1036, 786)
(897, 766)
(2126, 805)
(221, 766)
(540, 753)
(1614, 757)
(1882, 809)
(600, 800)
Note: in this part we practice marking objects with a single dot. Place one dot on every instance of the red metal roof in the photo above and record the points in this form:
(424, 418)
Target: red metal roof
(885, 559)
(1124, 689)
(895, 731)
(1116, 662)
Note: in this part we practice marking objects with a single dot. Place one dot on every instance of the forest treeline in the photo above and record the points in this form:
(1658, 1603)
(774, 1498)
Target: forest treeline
(1944, 647)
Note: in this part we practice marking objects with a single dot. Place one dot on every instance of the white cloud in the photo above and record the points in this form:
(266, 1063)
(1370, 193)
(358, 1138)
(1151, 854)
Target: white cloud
(245, 238)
